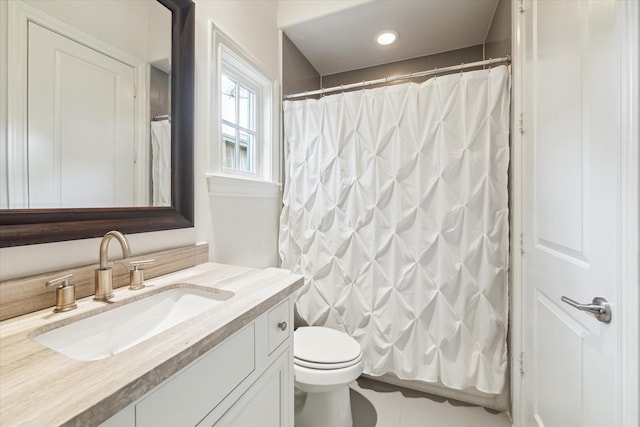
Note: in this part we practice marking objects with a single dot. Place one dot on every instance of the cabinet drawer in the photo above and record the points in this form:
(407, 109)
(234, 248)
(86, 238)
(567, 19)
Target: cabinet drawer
(279, 320)
(187, 397)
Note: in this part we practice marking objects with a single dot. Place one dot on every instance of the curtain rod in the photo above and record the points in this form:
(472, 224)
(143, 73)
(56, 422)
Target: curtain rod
(409, 76)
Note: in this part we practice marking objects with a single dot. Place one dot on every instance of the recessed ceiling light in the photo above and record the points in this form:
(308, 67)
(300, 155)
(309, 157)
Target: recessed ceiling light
(386, 37)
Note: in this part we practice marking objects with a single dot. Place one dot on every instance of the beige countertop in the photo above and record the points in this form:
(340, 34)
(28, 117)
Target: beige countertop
(39, 386)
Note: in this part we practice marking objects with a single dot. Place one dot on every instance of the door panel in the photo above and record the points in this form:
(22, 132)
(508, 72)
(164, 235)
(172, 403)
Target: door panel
(558, 155)
(563, 376)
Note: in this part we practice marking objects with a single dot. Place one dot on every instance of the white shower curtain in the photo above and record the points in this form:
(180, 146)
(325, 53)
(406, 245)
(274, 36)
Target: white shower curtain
(395, 211)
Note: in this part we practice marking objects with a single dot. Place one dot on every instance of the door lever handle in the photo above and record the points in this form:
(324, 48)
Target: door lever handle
(599, 307)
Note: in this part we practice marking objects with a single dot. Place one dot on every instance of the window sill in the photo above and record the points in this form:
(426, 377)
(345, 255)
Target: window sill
(233, 186)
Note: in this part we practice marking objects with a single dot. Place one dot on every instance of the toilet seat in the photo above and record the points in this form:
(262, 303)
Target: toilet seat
(316, 347)
(318, 365)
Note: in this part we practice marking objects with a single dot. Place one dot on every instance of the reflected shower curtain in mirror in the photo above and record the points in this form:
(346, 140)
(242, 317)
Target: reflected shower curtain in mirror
(161, 163)
(395, 211)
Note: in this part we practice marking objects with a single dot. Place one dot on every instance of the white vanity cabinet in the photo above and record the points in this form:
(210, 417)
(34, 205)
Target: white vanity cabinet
(245, 381)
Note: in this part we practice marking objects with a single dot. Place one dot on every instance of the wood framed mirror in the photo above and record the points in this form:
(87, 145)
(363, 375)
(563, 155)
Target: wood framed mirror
(31, 226)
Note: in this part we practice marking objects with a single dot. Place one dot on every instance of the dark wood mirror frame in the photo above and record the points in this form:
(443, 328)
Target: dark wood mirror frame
(30, 226)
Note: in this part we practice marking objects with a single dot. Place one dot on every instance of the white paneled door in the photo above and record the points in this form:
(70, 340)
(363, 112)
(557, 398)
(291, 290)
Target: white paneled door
(573, 212)
(80, 124)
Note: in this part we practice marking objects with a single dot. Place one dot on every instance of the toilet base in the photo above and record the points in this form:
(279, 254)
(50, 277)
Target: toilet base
(330, 408)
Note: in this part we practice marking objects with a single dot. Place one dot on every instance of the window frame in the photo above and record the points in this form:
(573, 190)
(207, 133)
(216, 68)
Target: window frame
(229, 58)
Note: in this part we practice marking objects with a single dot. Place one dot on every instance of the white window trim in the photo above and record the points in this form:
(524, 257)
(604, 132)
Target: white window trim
(228, 55)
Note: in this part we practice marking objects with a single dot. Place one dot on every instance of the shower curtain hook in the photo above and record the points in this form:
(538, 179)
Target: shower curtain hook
(461, 69)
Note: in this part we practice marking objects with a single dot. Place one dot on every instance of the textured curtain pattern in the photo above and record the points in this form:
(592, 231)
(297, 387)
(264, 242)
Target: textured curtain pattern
(395, 211)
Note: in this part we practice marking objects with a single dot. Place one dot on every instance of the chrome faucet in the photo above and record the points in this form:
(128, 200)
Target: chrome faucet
(104, 275)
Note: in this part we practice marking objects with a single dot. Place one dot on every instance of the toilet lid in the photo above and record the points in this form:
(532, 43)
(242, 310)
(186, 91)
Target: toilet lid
(324, 345)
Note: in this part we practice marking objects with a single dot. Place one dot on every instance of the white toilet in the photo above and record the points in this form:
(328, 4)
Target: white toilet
(325, 362)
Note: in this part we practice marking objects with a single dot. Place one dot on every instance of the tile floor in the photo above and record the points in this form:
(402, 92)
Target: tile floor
(376, 404)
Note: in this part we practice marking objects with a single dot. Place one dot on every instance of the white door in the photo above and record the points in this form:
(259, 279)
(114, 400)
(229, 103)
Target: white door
(80, 124)
(572, 143)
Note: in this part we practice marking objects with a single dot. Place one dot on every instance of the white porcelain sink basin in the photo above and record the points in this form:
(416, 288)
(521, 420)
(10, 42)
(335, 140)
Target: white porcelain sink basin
(122, 327)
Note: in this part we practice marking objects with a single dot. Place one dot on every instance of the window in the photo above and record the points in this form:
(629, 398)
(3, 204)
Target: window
(243, 110)
(238, 105)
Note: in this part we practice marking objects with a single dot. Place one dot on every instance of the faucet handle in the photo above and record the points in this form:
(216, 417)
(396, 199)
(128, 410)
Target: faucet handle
(136, 264)
(62, 281)
(136, 275)
(65, 293)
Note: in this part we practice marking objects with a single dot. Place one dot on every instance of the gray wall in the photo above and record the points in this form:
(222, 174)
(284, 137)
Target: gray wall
(159, 101)
(453, 57)
(498, 41)
(298, 75)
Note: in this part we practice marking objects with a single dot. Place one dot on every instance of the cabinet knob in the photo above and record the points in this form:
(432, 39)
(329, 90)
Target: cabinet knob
(282, 326)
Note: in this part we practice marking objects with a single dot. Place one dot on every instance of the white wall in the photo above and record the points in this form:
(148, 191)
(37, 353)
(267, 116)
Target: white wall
(253, 25)
(159, 39)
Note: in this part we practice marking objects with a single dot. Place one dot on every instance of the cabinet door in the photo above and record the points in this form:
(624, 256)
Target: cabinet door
(191, 394)
(266, 403)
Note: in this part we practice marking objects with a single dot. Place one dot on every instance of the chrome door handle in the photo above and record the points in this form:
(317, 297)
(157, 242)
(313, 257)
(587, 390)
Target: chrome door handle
(599, 307)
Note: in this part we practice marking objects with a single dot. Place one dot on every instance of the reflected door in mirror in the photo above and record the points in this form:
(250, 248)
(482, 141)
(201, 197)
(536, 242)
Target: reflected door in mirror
(80, 125)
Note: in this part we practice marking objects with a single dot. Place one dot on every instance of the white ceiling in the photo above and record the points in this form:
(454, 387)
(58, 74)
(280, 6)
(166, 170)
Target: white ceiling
(345, 40)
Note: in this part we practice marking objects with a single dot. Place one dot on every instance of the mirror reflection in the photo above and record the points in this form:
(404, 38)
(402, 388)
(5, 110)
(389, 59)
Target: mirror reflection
(97, 98)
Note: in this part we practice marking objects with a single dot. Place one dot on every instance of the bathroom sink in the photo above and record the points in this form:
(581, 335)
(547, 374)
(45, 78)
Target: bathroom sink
(117, 329)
